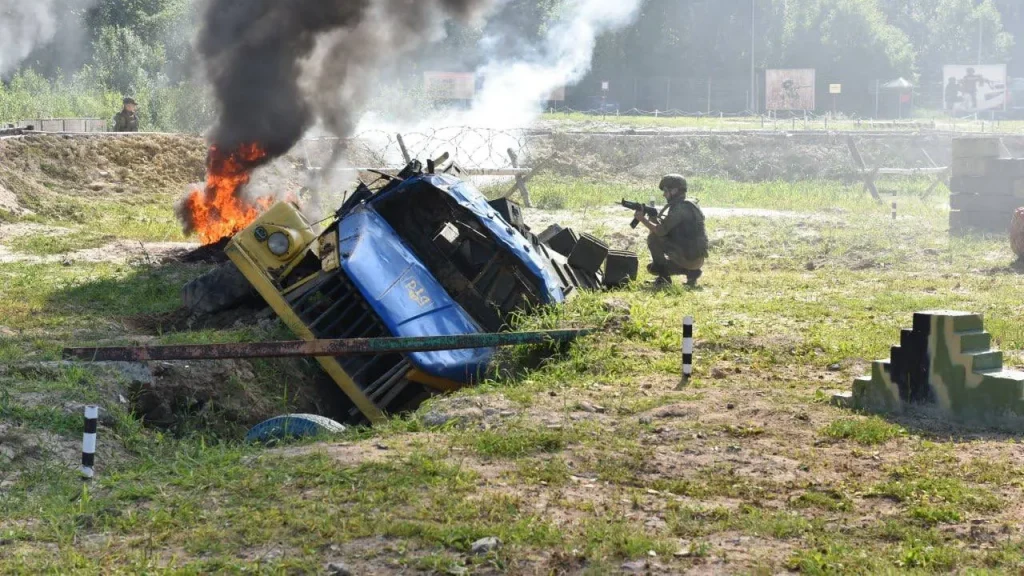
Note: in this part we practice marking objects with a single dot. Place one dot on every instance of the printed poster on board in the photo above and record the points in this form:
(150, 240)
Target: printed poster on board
(449, 85)
(974, 88)
(789, 89)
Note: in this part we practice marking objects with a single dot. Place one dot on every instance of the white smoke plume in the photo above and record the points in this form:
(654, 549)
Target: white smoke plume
(27, 25)
(516, 87)
(388, 31)
(24, 25)
(514, 90)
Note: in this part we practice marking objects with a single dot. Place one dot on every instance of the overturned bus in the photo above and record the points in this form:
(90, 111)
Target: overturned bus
(424, 255)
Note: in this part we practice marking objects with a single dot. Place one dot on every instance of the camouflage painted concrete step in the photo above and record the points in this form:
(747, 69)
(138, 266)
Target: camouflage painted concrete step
(944, 360)
(982, 361)
(974, 341)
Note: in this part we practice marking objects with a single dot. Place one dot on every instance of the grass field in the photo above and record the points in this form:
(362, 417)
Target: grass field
(726, 123)
(596, 461)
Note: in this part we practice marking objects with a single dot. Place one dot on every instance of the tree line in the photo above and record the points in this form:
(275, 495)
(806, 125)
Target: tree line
(143, 48)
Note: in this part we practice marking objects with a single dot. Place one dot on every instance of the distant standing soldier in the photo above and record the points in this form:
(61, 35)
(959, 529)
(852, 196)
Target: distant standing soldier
(678, 239)
(126, 120)
(952, 94)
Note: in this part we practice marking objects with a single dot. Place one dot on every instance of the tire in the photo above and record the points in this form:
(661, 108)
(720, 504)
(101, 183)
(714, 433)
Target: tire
(293, 426)
(222, 288)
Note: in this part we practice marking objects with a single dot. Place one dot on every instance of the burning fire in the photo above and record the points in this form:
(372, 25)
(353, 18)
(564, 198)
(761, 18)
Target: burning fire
(220, 211)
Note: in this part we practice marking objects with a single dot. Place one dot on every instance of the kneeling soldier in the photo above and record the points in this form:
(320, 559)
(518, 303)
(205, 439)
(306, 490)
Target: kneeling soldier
(678, 240)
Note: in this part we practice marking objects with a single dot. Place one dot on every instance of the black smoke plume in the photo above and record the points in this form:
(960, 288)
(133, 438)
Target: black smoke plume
(278, 66)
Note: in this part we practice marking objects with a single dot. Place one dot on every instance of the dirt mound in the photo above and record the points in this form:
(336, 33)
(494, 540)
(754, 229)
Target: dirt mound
(186, 320)
(23, 448)
(223, 398)
(9, 202)
(38, 172)
(92, 165)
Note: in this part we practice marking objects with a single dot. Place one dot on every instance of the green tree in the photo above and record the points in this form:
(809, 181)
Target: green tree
(948, 32)
(846, 41)
(126, 63)
(161, 26)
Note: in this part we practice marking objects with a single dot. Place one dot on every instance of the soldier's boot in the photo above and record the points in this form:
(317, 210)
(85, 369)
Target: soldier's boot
(692, 277)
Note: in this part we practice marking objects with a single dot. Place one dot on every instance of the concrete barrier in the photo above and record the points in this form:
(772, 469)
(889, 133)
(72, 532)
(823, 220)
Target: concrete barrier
(987, 188)
(945, 361)
(65, 125)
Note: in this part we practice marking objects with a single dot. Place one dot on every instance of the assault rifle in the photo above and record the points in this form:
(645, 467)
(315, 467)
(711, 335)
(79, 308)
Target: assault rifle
(649, 211)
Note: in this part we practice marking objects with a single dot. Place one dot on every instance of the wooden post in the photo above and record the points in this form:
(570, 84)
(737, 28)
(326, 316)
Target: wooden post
(405, 151)
(520, 181)
(709, 98)
(869, 176)
(939, 178)
(687, 348)
(92, 414)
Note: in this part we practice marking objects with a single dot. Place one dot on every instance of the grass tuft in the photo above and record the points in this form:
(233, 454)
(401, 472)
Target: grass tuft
(517, 440)
(869, 431)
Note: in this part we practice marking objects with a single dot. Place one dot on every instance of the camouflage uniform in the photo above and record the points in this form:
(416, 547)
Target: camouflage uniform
(126, 121)
(679, 243)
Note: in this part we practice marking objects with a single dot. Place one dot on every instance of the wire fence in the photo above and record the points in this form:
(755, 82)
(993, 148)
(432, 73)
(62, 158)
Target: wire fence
(493, 156)
(470, 148)
(674, 120)
(483, 149)
(738, 96)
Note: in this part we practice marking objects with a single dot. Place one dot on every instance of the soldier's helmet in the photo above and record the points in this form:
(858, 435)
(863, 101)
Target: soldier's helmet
(672, 181)
(129, 100)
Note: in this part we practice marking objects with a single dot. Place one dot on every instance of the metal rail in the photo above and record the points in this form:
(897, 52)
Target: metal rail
(317, 348)
(521, 172)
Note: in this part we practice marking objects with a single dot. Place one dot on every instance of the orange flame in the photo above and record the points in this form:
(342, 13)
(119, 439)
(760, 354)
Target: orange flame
(219, 211)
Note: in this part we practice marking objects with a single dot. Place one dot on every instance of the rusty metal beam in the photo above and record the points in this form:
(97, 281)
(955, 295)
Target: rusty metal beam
(317, 348)
(523, 172)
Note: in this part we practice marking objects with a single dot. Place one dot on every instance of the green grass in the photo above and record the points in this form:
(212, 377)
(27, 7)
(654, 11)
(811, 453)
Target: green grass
(579, 120)
(96, 221)
(868, 431)
(930, 493)
(46, 245)
(555, 193)
(85, 297)
(551, 472)
(826, 500)
(782, 480)
(517, 440)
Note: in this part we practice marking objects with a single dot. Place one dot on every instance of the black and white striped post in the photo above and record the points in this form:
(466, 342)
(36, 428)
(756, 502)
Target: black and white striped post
(893, 210)
(687, 348)
(92, 416)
